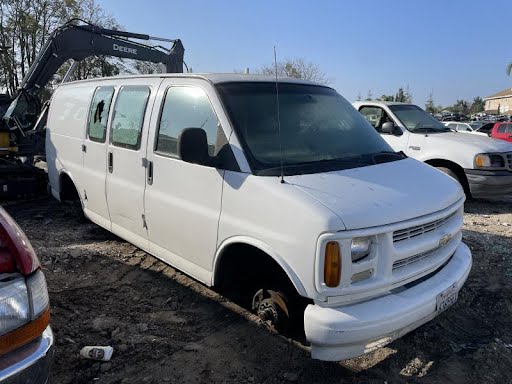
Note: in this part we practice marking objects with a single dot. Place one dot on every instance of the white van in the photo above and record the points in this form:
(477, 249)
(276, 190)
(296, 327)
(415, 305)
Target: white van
(308, 205)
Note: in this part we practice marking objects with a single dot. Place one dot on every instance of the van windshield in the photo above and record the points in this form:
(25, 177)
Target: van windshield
(320, 130)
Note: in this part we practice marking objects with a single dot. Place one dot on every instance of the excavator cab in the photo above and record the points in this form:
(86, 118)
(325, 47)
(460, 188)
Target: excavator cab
(23, 112)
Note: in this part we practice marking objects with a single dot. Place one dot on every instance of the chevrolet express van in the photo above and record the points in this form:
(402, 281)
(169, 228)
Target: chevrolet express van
(281, 191)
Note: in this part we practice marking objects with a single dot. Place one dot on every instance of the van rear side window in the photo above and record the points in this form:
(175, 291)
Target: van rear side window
(98, 114)
(128, 117)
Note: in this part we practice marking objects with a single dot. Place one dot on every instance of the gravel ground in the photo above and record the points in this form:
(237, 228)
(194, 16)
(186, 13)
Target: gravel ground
(167, 328)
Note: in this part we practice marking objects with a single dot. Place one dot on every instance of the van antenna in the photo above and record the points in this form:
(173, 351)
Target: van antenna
(279, 120)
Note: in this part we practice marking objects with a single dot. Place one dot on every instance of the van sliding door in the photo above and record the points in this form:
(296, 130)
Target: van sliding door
(126, 176)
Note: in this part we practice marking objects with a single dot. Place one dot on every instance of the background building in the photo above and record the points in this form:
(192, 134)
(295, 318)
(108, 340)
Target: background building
(500, 103)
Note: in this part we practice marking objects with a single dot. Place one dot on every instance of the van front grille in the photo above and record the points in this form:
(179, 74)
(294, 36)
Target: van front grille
(407, 233)
(412, 259)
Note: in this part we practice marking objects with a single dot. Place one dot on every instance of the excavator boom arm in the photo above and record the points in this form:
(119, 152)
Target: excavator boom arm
(81, 41)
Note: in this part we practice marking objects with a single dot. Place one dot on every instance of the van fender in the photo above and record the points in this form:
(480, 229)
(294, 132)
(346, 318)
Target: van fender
(264, 248)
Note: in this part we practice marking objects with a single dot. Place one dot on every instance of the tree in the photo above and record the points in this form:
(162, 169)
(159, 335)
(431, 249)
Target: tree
(478, 105)
(297, 68)
(429, 105)
(460, 106)
(509, 69)
(369, 96)
(408, 95)
(403, 96)
(387, 98)
(25, 26)
(359, 97)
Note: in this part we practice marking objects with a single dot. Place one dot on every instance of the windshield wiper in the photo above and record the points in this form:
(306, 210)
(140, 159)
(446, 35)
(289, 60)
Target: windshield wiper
(387, 156)
(346, 162)
(432, 129)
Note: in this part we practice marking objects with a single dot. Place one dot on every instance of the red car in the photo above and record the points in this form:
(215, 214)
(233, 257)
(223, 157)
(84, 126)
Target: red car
(26, 339)
(502, 131)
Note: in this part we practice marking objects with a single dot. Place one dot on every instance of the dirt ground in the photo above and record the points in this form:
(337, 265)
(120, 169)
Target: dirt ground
(167, 328)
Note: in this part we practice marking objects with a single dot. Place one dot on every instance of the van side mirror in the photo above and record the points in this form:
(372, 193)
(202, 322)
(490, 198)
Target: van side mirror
(391, 128)
(193, 146)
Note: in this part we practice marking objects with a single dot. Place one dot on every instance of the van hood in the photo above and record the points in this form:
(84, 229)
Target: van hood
(475, 143)
(381, 194)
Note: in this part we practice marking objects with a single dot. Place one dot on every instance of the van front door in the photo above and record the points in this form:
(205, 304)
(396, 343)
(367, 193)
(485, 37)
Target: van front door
(126, 176)
(183, 200)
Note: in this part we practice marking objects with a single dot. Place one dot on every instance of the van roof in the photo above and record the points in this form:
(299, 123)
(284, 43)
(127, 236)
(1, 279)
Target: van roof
(214, 78)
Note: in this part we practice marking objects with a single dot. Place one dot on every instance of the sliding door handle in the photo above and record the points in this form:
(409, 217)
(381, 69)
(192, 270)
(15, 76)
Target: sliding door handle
(110, 162)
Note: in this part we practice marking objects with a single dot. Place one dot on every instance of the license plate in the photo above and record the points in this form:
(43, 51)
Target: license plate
(447, 298)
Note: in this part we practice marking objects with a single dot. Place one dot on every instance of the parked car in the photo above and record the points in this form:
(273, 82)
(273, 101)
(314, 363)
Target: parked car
(502, 131)
(306, 214)
(26, 339)
(485, 128)
(464, 127)
(483, 166)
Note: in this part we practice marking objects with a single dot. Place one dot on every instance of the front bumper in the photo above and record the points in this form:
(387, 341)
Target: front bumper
(348, 331)
(29, 364)
(489, 183)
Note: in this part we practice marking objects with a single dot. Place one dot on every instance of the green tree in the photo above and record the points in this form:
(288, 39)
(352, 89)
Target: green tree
(460, 106)
(509, 69)
(369, 96)
(429, 105)
(400, 95)
(403, 96)
(478, 105)
(297, 68)
(387, 98)
(408, 95)
(359, 97)
(25, 26)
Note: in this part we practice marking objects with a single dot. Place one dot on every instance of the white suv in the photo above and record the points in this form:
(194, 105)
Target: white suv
(289, 199)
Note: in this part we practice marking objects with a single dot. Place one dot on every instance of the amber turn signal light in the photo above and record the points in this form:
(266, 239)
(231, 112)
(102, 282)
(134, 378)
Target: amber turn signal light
(332, 264)
(25, 334)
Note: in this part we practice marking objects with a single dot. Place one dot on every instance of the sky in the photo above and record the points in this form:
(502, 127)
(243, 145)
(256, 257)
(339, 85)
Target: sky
(454, 49)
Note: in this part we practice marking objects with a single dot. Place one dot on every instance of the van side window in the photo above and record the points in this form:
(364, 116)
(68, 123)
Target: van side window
(98, 114)
(185, 107)
(128, 117)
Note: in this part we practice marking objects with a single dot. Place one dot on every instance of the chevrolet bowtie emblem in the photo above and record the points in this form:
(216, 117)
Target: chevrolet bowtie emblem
(445, 239)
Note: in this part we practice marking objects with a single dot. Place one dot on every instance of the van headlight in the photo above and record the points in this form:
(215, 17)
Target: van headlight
(360, 248)
(490, 161)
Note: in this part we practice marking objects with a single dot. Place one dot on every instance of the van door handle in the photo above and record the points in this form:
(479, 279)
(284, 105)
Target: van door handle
(110, 162)
(150, 172)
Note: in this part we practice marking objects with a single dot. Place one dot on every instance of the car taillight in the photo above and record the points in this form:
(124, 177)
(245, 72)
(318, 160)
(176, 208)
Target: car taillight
(15, 247)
